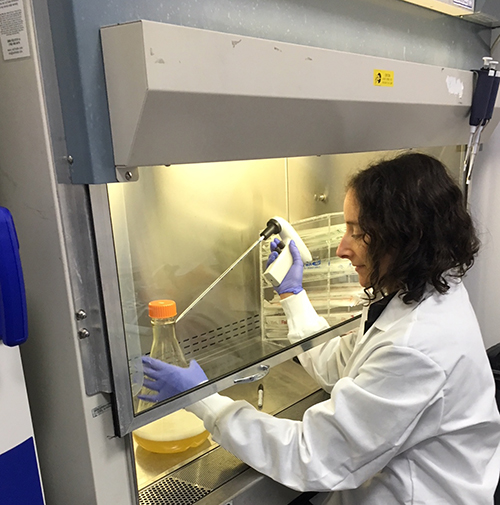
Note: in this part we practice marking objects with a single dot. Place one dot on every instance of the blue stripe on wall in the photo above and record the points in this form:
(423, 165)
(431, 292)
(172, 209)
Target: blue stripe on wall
(19, 477)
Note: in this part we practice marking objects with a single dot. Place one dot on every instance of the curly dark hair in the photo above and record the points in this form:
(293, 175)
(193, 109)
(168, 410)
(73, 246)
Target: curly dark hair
(411, 208)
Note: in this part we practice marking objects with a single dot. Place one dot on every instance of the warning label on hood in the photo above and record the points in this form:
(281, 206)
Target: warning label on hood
(383, 78)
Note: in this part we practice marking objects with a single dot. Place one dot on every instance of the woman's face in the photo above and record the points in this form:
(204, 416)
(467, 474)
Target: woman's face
(353, 245)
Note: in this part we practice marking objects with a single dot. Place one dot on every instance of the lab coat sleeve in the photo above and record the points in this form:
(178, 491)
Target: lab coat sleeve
(341, 442)
(301, 317)
(325, 362)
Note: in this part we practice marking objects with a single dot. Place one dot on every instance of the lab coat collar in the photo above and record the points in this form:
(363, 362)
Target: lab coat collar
(395, 310)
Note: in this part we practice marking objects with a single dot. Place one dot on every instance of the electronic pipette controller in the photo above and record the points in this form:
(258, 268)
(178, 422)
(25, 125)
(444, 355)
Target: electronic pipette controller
(276, 271)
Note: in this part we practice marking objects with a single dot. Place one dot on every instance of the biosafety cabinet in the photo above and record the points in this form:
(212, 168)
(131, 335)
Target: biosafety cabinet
(208, 135)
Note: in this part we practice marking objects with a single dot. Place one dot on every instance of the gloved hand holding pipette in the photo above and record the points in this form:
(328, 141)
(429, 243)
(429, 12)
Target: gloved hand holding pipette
(282, 262)
(169, 380)
(292, 282)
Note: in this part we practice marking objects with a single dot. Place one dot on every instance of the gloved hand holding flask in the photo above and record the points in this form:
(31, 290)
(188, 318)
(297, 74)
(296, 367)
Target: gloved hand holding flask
(169, 380)
(292, 282)
(166, 371)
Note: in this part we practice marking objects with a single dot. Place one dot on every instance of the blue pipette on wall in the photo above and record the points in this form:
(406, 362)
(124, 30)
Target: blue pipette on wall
(483, 103)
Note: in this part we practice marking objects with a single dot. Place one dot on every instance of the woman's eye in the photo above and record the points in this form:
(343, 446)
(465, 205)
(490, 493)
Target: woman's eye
(357, 236)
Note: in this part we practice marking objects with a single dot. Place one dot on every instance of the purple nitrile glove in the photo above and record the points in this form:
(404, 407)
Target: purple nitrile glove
(292, 282)
(169, 380)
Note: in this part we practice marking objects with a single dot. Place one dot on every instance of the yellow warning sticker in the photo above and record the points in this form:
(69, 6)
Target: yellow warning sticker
(383, 78)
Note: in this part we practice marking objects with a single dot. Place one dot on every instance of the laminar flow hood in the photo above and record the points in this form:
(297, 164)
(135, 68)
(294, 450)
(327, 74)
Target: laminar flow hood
(186, 95)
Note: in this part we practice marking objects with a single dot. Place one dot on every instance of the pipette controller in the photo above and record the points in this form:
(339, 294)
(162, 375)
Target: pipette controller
(276, 271)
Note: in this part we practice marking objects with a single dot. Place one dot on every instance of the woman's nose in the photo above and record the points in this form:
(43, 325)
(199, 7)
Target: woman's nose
(342, 250)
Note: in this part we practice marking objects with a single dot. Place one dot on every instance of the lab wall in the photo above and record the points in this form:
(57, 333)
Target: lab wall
(483, 279)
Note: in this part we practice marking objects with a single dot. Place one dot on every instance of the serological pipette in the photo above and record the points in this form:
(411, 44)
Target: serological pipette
(272, 227)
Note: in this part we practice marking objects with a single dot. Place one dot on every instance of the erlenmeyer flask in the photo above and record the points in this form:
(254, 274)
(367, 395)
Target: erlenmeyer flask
(180, 430)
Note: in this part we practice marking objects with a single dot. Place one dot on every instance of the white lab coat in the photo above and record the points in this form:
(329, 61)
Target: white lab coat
(412, 417)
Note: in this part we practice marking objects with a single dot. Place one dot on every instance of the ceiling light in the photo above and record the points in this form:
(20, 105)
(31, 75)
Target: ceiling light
(451, 7)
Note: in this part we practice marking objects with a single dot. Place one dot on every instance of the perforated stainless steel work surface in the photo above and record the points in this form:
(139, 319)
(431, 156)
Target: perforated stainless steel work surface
(211, 470)
(171, 491)
(194, 481)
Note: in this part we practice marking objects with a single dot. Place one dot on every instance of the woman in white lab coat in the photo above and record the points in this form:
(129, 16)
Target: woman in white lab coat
(412, 417)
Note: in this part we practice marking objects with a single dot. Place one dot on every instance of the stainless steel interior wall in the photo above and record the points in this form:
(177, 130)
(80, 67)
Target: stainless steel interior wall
(178, 228)
(316, 183)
